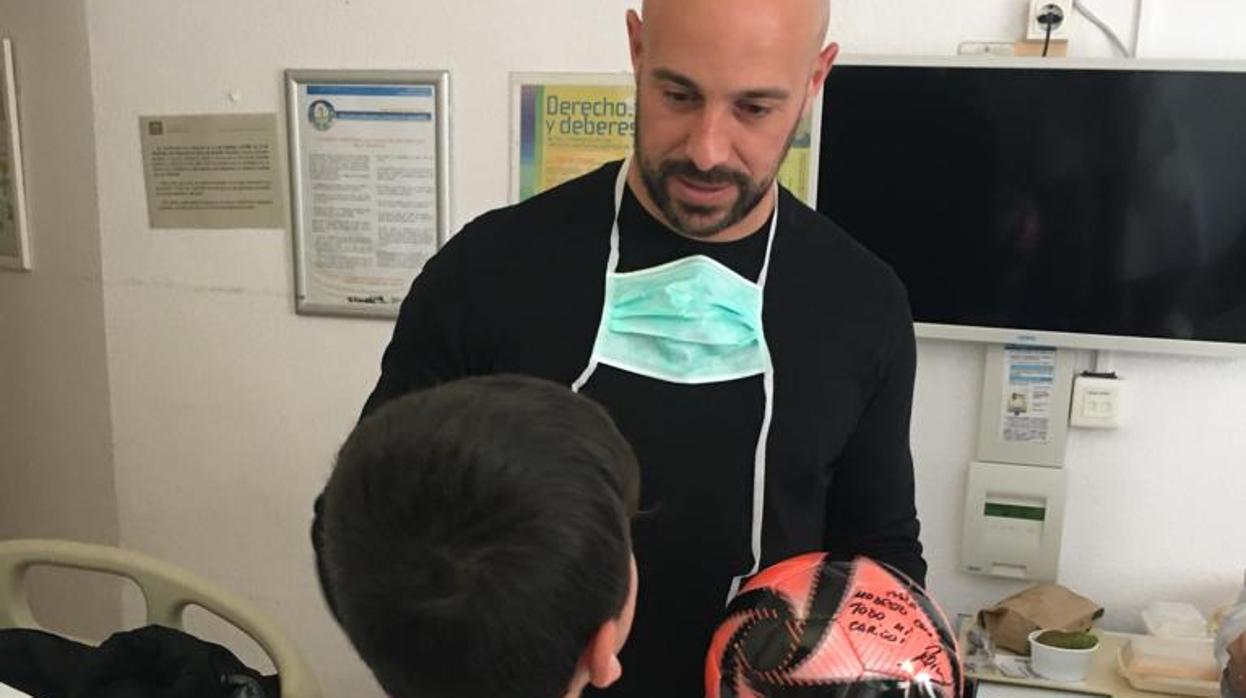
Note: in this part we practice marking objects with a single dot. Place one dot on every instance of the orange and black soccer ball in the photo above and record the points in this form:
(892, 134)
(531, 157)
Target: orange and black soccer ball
(812, 628)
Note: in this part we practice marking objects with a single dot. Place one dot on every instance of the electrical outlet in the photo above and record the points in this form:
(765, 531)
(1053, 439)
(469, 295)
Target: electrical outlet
(1099, 403)
(1061, 11)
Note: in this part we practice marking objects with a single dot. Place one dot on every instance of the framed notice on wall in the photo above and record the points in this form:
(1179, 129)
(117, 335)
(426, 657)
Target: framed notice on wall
(369, 166)
(14, 239)
(564, 125)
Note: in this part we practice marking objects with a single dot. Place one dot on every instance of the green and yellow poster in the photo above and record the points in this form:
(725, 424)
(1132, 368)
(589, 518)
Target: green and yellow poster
(568, 124)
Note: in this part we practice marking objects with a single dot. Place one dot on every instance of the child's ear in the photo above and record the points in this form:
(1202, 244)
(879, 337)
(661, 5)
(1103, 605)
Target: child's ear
(601, 657)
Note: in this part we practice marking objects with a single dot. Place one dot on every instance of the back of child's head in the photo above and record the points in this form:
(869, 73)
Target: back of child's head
(476, 537)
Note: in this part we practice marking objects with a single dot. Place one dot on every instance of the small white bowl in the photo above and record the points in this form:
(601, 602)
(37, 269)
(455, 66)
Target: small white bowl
(1059, 664)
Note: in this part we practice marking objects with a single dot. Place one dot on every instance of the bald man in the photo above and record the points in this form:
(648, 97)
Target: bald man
(758, 359)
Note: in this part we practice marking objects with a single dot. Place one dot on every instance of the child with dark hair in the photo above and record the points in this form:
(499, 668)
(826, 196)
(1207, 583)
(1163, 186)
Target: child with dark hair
(476, 541)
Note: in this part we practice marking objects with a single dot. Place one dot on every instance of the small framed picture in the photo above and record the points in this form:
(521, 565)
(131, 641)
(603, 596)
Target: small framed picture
(369, 161)
(14, 237)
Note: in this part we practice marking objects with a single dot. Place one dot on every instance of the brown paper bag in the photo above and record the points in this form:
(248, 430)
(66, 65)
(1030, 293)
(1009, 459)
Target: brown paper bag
(1045, 607)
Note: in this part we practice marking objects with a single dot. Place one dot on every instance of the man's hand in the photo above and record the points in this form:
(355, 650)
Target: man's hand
(1237, 666)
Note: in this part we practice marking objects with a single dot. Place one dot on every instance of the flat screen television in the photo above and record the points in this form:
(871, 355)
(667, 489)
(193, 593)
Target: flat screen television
(1098, 205)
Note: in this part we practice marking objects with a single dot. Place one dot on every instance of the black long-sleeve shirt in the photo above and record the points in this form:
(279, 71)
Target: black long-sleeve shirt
(520, 290)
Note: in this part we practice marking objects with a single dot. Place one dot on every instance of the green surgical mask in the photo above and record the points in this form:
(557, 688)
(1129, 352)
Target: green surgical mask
(689, 321)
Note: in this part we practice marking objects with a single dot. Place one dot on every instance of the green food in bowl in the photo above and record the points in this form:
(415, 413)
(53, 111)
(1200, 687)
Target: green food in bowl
(1067, 640)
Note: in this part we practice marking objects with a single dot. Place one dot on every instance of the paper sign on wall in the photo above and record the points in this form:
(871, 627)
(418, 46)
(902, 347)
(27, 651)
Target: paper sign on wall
(213, 171)
(1029, 381)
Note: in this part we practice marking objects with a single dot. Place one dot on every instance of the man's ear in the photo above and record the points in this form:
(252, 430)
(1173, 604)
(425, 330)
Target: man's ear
(635, 38)
(821, 69)
(601, 657)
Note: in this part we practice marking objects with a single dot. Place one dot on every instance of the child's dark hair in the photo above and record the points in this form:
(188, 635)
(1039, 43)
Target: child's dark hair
(476, 537)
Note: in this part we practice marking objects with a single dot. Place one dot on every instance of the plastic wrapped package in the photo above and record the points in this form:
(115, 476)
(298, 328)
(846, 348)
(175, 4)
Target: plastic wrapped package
(1232, 626)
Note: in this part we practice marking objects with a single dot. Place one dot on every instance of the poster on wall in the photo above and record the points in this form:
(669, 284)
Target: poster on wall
(1029, 384)
(369, 170)
(14, 238)
(212, 171)
(564, 125)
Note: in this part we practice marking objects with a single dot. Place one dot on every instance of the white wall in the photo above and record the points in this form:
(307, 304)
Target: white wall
(56, 466)
(227, 408)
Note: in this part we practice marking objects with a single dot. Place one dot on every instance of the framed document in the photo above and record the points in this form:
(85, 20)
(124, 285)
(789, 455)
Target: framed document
(564, 125)
(369, 172)
(14, 239)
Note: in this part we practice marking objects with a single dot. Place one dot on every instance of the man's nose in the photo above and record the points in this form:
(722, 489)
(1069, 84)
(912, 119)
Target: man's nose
(708, 144)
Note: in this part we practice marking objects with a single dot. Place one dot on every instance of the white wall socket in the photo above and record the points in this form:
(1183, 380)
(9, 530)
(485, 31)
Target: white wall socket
(1037, 31)
(1099, 403)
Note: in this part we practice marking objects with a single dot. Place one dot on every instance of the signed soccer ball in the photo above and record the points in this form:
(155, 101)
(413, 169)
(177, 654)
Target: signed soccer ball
(812, 628)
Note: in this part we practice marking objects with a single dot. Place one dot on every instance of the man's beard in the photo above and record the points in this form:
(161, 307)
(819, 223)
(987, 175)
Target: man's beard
(694, 221)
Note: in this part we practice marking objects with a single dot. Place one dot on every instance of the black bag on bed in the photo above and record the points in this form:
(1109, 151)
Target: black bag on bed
(150, 662)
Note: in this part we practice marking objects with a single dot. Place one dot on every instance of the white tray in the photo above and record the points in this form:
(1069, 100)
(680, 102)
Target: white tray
(1127, 660)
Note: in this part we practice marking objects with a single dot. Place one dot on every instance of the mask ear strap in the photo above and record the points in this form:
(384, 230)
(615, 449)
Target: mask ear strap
(774, 228)
(763, 438)
(612, 265)
(620, 186)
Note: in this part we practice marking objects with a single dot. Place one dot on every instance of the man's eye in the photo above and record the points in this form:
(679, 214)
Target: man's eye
(678, 97)
(755, 111)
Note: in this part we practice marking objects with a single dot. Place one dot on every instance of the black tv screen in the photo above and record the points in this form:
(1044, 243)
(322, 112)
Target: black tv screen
(1092, 201)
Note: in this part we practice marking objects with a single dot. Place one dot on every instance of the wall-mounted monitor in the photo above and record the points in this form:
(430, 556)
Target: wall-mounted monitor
(1068, 203)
